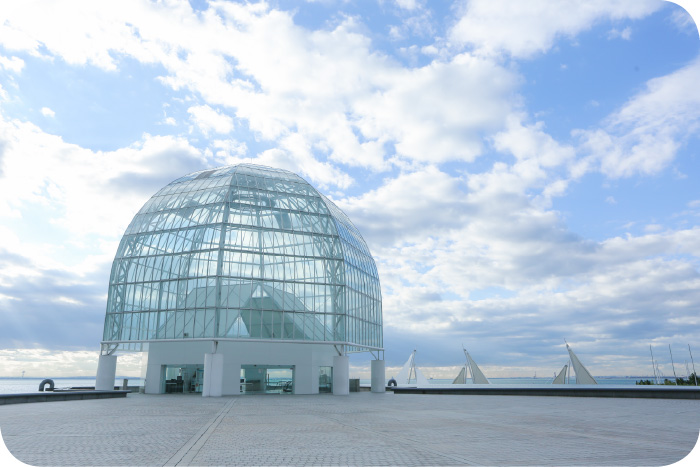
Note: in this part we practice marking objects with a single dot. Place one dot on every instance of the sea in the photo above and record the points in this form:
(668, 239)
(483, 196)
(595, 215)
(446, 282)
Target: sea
(624, 380)
(31, 385)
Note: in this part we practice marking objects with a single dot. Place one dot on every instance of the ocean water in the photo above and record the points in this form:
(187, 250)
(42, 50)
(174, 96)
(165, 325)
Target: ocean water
(624, 380)
(30, 385)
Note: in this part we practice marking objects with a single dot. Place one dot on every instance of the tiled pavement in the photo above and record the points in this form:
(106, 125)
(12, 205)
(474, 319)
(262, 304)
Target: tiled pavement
(360, 429)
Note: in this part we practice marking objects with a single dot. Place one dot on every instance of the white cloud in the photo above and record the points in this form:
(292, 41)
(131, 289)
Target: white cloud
(423, 109)
(644, 135)
(409, 207)
(63, 210)
(14, 64)
(396, 33)
(688, 17)
(68, 300)
(89, 192)
(625, 33)
(208, 119)
(81, 32)
(228, 151)
(415, 21)
(41, 362)
(46, 112)
(441, 242)
(523, 29)
(532, 143)
(429, 50)
(553, 281)
(355, 108)
(408, 4)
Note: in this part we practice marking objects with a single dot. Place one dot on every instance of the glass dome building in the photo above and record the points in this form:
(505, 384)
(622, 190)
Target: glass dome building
(242, 279)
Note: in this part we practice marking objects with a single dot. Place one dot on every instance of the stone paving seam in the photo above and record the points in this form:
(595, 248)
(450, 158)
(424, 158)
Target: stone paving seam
(205, 437)
(199, 438)
(413, 444)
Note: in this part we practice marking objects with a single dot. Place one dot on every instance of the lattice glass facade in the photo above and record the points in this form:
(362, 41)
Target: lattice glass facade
(243, 252)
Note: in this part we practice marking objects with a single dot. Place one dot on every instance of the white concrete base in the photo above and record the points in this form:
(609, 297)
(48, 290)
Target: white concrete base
(341, 375)
(305, 359)
(213, 375)
(378, 376)
(154, 376)
(106, 373)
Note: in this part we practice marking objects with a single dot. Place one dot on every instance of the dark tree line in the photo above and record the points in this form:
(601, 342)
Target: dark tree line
(692, 380)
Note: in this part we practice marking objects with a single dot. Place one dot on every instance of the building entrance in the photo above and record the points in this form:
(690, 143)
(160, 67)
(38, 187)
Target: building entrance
(267, 379)
(182, 378)
(325, 379)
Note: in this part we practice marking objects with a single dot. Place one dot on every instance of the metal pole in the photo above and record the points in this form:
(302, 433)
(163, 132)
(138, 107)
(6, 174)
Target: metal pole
(675, 378)
(412, 369)
(691, 359)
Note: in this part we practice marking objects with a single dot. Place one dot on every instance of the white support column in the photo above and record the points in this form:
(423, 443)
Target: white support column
(213, 375)
(304, 375)
(378, 376)
(341, 375)
(155, 372)
(106, 372)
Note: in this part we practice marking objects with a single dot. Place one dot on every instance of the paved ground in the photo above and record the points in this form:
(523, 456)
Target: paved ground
(360, 429)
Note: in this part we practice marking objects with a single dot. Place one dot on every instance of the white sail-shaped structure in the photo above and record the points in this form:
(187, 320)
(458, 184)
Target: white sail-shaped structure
(410, 373)
(421, 380)
(583, 376)
(561, 377)
(407, 374)
(461, 377)
(477, 376)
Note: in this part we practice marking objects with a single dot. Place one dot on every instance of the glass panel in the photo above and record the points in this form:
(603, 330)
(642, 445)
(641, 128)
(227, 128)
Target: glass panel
(209, 321)
(307, 258)
(325, 379)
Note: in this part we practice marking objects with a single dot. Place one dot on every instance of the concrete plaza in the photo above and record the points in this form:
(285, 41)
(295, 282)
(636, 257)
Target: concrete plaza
(360, 429)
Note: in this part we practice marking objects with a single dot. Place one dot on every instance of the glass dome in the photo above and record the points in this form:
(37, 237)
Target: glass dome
(243, 252)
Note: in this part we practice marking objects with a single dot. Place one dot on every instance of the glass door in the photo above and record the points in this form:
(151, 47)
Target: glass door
(267, 379)
(325, 379)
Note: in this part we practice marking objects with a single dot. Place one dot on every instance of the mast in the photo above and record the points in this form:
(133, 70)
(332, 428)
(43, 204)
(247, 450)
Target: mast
(691, 359)
(653, 367)
(412, 369)
(675, 378)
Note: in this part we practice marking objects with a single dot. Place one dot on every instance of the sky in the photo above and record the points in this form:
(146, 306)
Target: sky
(523, 172)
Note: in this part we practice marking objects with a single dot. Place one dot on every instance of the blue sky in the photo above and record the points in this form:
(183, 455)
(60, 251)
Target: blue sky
(523, 172)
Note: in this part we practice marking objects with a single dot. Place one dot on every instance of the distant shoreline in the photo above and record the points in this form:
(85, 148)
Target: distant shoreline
(64, 377)
(138, 377)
